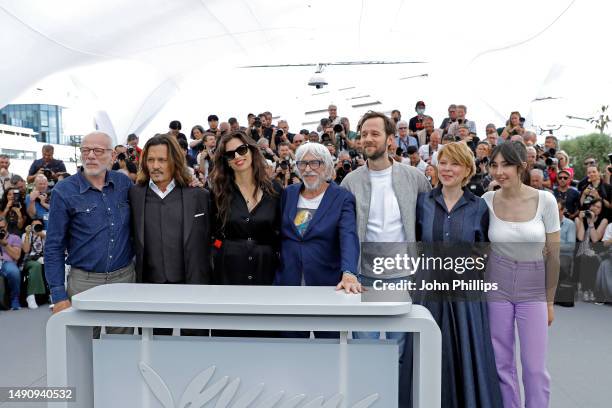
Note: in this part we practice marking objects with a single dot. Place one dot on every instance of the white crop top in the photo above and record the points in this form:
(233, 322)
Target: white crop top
(516, 240)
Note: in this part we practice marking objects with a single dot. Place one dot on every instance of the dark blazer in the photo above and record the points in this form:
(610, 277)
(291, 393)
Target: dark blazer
(330, 245)
(196, 232)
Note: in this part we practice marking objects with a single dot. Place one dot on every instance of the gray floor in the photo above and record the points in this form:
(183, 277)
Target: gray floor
(580, 354)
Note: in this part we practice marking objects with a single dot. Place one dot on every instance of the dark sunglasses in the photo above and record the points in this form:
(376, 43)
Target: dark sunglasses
(563, 178)
(241, 150)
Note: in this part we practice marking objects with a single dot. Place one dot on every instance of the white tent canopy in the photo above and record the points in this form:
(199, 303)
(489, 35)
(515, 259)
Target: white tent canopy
(138, 64)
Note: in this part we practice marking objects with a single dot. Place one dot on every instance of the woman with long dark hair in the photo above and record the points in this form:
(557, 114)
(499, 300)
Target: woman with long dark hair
(524, 262)
(247, 214)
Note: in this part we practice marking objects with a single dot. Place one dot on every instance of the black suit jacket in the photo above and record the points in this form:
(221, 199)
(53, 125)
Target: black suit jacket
(196, 231)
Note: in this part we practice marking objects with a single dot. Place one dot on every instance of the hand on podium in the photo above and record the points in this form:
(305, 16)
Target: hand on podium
(349, 283)
(59, 306)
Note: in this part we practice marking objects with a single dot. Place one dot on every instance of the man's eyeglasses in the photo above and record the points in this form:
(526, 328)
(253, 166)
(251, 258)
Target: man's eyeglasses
(98, 151)
(314, 164)
(403, 127)
(241, 150)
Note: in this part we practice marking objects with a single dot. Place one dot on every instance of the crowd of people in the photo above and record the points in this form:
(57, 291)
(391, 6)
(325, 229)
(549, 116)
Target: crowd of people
(260, 205)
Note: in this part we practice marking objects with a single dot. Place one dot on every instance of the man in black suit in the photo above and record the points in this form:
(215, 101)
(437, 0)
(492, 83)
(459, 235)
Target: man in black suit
(170, 220)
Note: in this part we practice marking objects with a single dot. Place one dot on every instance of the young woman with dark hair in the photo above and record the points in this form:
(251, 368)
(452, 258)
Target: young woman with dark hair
(526, 277)
(247, 214)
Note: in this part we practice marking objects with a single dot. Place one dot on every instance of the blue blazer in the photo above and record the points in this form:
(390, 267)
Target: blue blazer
(329, 246)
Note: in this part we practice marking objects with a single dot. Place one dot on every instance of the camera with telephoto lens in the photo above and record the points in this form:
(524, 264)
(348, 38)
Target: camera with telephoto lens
(44, 197)
(588, 213)
(16, 198)
(257, 122)
(551, 161)
(121, 157)
(37, 227)
(347, 165)
(131, 153)
(200, 146)
(338, 128)
(3, 234)
(284, 164)
(48, 174)
(484, 160)
(279, 133)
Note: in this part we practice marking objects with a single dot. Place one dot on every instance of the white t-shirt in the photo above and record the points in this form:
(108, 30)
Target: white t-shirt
(608, 234)
(424, 151)
(523, 241)
(421, 165)
(384, 220)
(306, 208)
(434, 158)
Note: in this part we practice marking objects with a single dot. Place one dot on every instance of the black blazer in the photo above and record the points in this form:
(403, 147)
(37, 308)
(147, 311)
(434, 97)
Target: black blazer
(196, 232)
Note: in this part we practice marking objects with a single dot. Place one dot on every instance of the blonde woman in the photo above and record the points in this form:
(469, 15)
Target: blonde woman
(450, 213)
(514, 126)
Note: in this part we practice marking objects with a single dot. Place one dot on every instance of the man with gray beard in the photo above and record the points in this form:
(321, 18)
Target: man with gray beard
(89, 217)
(319, 237)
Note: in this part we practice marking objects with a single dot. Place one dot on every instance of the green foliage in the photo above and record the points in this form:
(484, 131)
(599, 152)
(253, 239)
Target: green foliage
(595, 145)
(602, 122)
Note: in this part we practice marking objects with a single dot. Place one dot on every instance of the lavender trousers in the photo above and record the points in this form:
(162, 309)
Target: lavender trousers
(520, 300)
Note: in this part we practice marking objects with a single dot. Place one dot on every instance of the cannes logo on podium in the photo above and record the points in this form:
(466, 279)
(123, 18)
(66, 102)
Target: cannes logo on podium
(198, 393)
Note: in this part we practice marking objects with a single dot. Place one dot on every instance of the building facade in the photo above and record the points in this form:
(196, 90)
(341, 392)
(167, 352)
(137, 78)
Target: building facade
(45, 120)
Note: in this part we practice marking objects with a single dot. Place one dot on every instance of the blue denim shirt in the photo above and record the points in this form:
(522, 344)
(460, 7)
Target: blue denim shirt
(468, 220)
(92, 225)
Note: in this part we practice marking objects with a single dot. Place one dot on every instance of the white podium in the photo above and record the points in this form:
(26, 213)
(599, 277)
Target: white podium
(177, 371)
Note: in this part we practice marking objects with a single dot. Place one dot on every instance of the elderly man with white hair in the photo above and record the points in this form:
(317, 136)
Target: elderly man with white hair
(536, 179)
(403, 139)
(319, 245)
(89, 217)
(530, 138)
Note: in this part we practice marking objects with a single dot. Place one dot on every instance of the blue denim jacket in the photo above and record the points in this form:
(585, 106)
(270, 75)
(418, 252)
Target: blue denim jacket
(92, 225)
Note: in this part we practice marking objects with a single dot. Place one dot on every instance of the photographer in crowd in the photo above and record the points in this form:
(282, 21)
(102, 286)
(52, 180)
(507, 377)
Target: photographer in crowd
(424, 134)
(132, 143)
(5, 174)
(13, 209)
(33, 246)
(206, 157)
(569, 195)
(10, 252)
(47, 166)
(285, 167)
(590, 228)
(594, 189)
(196, 142)
(125, 161)
(344, 166)
(37, 202)
(514, 126)
(453, 128)
(416, 123)
(426, 151)
(403, 140)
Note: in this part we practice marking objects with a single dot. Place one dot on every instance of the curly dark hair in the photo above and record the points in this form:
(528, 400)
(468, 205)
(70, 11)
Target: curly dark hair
(223, 178)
